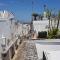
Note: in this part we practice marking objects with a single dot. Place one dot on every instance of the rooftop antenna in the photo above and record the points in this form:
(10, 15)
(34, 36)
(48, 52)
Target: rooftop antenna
(32, 6)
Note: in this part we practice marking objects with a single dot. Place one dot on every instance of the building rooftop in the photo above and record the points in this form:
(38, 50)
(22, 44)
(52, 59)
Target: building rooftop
(5, 15)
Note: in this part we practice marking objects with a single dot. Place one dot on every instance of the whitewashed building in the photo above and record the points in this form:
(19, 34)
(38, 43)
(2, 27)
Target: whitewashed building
(25, 29)
(41, 25)
(7, 35)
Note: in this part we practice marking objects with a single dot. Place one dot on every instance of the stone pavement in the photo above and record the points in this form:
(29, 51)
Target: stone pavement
(26, 51)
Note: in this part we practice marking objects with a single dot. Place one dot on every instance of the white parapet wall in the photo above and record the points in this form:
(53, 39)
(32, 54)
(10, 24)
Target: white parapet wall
(52, 45)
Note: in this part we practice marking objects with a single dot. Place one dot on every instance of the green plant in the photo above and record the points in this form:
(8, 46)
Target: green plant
(52, 33)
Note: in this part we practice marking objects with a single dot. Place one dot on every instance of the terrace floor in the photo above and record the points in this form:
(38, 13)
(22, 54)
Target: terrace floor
(26, 51)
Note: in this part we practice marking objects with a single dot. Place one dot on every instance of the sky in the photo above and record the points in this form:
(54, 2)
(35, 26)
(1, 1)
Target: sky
(22, 9)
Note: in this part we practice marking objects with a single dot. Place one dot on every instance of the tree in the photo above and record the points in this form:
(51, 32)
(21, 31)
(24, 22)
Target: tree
(58, 19)
(48, 14)
(54, 32)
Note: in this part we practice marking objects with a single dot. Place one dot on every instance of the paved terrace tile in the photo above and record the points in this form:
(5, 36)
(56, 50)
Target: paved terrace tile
(26, 51)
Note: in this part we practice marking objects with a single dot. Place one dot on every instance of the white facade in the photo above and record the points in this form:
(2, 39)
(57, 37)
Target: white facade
(19, 29)
(6, 24)
(41, 25)
(10, 30)
(22, 29)
(7, 30)
(26, 29)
